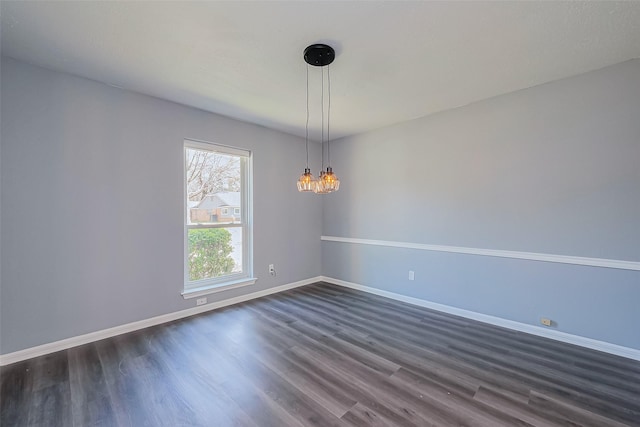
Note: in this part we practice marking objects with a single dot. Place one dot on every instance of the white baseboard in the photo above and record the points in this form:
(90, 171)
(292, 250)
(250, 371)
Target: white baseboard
(28, 353)
(6, 359)
(603, 346)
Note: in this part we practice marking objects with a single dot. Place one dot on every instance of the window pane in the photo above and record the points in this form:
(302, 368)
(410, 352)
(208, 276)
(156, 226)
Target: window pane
(213, 187)
(236, 253)
(217, 186)
(214, 252)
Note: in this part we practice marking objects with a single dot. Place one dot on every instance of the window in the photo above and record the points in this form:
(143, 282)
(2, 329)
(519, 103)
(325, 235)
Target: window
(217, 245)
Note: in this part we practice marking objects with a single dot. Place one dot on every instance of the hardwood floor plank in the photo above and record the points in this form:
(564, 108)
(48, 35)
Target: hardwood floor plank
(268, 332)
(230, 381)
(563, 409)
(50, 406)
(326, 393)
(424, 407)
(91, 403)
(35, 391)
(49, 370)
(15, 391)
(361, 416)
(462, 377)
(468, 412)
(583, 394)
(515, 408)
(126, 393)
(551, 348)
(327, 341)
(277, 387)
(205, 398)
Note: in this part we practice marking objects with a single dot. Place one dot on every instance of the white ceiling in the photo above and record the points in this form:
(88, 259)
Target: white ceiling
(395, 60)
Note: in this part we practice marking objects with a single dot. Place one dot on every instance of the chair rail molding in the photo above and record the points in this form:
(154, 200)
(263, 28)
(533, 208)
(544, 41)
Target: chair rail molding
(532, 256)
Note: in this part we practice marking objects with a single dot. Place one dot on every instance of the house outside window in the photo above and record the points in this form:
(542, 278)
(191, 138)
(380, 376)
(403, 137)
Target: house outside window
(218, 235)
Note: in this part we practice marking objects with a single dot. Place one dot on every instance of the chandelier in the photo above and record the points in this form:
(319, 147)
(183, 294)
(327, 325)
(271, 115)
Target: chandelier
(320, 55)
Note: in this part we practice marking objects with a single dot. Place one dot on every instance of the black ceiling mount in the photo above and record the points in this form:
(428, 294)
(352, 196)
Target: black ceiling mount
(319, 55)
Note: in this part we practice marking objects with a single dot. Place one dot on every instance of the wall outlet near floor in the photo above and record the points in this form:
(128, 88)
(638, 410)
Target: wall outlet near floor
(545, 321)
(412, 275)
(201, 301)
(272, 270)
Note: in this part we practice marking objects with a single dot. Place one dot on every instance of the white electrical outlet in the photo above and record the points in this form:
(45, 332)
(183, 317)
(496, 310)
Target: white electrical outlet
(545, 321)
(201, 301)
(412, 275)
(272, 270)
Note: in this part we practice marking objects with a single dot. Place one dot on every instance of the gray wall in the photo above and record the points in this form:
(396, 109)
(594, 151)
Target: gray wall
(551, 169)
(92, 205)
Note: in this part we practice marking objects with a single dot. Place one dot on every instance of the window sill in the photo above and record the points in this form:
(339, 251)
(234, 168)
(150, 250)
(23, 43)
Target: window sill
(219, 287)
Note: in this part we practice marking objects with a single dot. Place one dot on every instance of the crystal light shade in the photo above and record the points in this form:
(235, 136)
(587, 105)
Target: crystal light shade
(319, 187)
(307, 181)
(328, 182)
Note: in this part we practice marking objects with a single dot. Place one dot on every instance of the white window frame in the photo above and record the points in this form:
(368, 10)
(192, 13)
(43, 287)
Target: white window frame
(197, 288)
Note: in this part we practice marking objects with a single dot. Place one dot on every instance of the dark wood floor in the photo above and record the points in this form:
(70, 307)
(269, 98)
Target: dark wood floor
(323, 355)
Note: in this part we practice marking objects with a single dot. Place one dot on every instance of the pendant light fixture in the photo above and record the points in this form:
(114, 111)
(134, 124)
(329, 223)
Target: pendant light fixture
(319, 55)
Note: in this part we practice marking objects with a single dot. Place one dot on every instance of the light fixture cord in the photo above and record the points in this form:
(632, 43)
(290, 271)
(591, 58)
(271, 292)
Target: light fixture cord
(322, 118)
(328, 117)
(307, 125)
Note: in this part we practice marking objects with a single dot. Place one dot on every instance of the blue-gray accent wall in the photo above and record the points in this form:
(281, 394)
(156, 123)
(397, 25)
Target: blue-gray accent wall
(551, 169)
